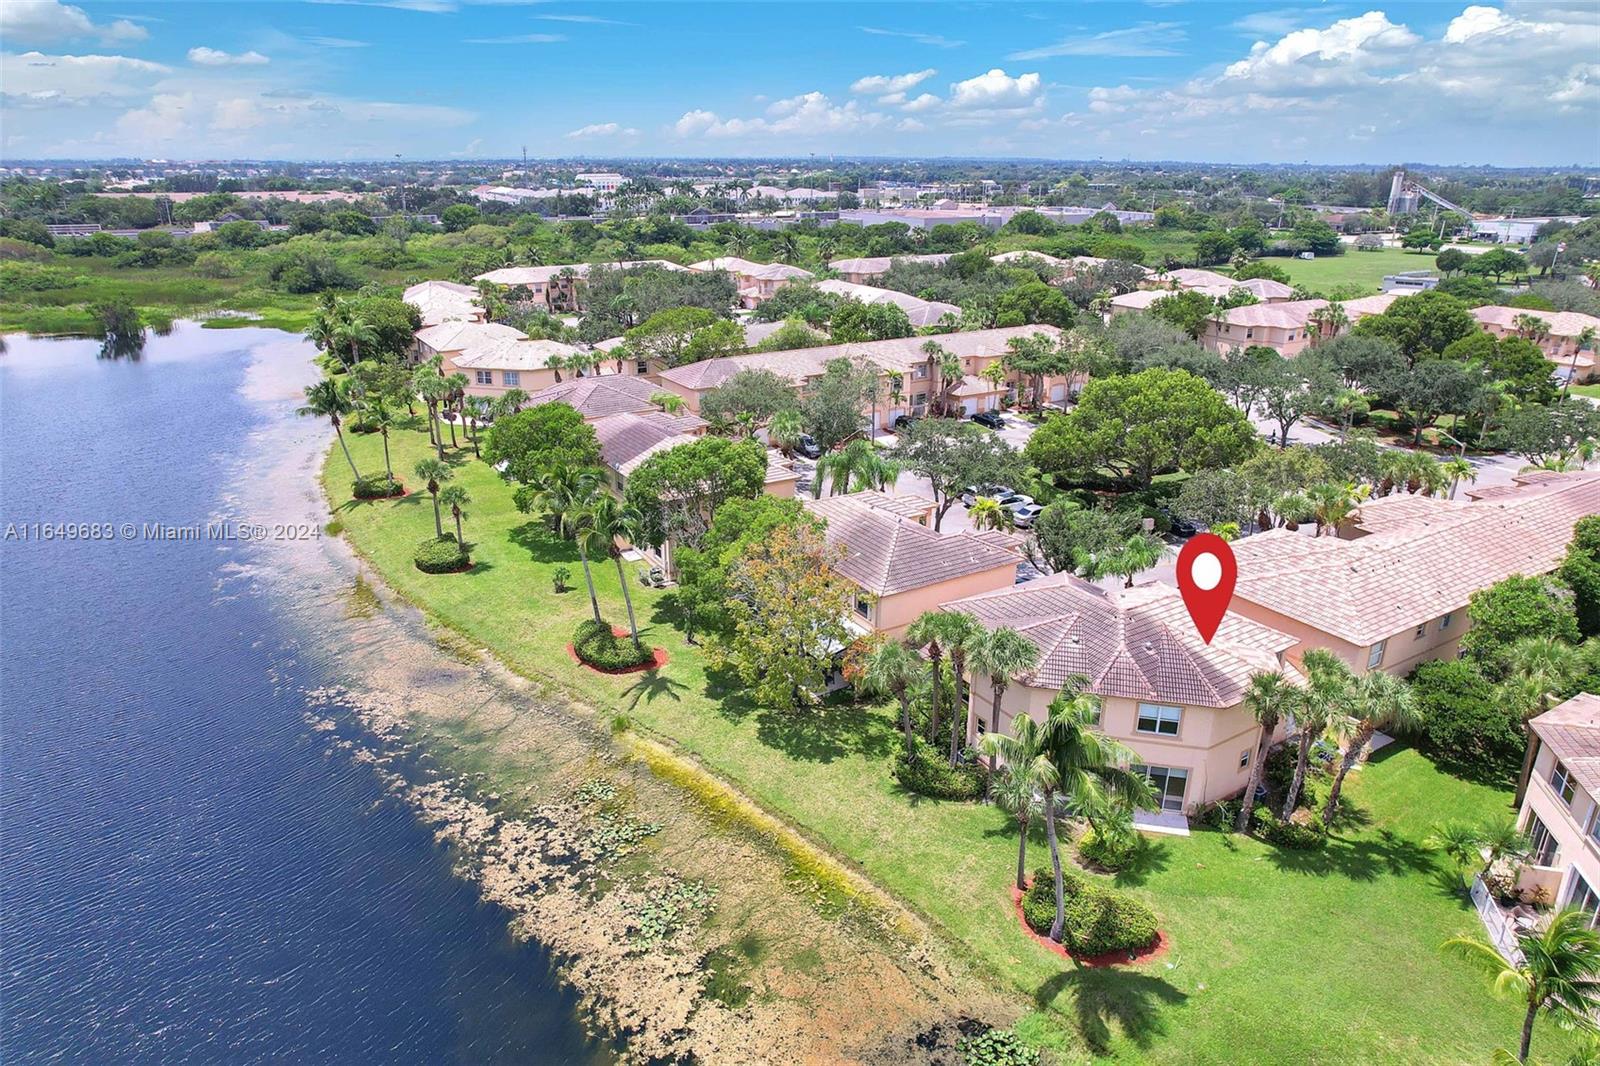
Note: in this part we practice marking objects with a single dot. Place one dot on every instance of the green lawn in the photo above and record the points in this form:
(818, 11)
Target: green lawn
(1277, 956)
(1592, 390)
(1363, 269)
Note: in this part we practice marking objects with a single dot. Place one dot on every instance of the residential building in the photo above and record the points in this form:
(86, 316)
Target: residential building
(1564, 343)
(1559, 806)
(921, 312)
(494, 357)
(603, 182)
(903, 356)
(862, 270)
(1176, 700)
(560, 288)
(1393, 592)
(756, 281)
(900, 566)
(444, 301)
(628, 437)
(598, 396)
(1288, 327)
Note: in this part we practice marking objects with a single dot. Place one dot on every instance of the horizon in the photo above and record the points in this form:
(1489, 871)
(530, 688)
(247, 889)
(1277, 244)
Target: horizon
(1227, 84)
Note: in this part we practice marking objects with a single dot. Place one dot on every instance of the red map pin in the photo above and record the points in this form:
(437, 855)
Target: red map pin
(1206, 573)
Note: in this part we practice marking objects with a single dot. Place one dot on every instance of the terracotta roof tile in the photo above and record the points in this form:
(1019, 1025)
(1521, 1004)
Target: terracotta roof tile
(1572, 731)
(887, 554)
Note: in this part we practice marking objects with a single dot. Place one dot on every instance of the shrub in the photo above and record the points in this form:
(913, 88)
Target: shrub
(1298, 836)
(1110, 851)
(441, 555)
(997, 1047)
(1098, 919)
(559, 578)
(1280, 773)
(595, 644)
(931, 774)
(1465, 722)
(376, 487)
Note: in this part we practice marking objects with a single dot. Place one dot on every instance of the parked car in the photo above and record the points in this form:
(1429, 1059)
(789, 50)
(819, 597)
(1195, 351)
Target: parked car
(1023, 515)
(970, 495)
(904, 421)
(1181, 526)
(1013, 500)
(808, 447)
(991, 419)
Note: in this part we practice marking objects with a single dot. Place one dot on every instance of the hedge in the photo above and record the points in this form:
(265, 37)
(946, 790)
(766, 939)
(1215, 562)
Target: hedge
(1098, 919)
(376, 488)
(441, 555)
(932, 775)
(1299, 836)
(594, 643)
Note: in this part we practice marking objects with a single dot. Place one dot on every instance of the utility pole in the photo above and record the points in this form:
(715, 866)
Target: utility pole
(402, 178)
(524, 164)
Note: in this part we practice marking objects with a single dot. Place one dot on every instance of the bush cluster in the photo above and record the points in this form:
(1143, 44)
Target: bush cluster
(1279, 773)
(998, 1047)
(1300, 836)
(1465, 722)
(1110, 851)
(441, 555)
(1098, 919)
(595, 644)
(376, 487)
(930, 774)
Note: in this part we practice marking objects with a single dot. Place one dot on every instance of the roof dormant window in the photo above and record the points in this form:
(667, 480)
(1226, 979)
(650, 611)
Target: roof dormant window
(1162, 721)
(1375, 655)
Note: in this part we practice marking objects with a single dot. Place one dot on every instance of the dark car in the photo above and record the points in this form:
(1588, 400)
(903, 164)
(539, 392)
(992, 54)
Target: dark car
(991, 419)
(1181, 527)
(904, 421)
(807, 446)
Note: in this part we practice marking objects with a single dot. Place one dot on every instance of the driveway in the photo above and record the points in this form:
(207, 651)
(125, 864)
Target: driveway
(1491, 469)
(1015, 433)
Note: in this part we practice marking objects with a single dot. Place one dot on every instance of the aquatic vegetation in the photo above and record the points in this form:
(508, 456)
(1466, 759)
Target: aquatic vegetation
(668, 907)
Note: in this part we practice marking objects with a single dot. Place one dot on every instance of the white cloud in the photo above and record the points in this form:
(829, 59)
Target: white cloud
(931, 39)
(1144, 39)
(997, 91)
(427, 7)
(164, 118)
(50, 22)
(808, 115)
(924, 102)
(887, 84)
(78, 80)
(337, 42)
(603, 129)
(520, 38)
(589, 20)
(212, 57)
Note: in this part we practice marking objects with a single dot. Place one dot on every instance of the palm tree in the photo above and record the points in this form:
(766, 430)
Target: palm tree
(1459, 842)
(455, 497)
(1140, 552)
(383, 419)
(508, 402)
(786, 428)
(932, 631)
(1001, 654)
(433, 471)
(986, 513)
(1329, 320)
(603, 522)
(1585, 339)
(1458, 470)
(1334, 502)
(327, 400)
(456, 386)
(890, 669)
(557, 363)
(349, 334)
(1085, 762)
(1295, 508)
(1382, 701)
(854, 468)
(477, 410)
(1542, 670)
(563, 494)
(1028, 772)
(1328, 692)
(433, 390)
(1531, 327)
(962, 634)
(1270, 699)
(1558, 973)
(670, 402)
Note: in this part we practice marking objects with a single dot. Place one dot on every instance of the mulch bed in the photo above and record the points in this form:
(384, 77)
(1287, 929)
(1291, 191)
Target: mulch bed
(1111, 958)
(657, 663)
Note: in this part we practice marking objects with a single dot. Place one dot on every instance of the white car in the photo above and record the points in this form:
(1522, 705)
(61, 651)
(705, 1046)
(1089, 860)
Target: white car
(994, 492)
(1023, 515)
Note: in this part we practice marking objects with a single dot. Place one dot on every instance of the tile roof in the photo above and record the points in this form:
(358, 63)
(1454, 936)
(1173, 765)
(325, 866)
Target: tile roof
(624, 436)
(900, 354)
(750, 269)
(440, 301)
(1561, 323)
(921, 312)
(1371, 588)
(491, 346)
(879, 264)
(1401, 510)
(1133, 643)
(1572, 731)
(887, 554)
(1296, 313)
(457, 335)
(1192, 277)
(597, 397)
(530, 275)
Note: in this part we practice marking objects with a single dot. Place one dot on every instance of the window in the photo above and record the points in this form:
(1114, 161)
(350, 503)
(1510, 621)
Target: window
(1581, 896)
(485, 377)
(1375, 655)
(1444, 623)
(983, 727)
(510, 378)
(1169, 785)
(1244, 758)
(1421, 632)
(1544, 844)
(1562, 782)
(863, 608)
(1594, 824)
(919, 371)
(1162, 721)
(919, 399)
(641, 368)
(1249, 333)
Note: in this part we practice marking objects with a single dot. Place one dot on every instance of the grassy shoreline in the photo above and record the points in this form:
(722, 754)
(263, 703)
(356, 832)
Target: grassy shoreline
(1277, 956)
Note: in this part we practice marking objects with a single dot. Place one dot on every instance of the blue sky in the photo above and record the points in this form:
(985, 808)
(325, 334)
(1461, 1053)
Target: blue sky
(1512, 83)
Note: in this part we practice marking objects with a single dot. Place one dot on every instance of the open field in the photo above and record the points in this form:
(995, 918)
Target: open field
(1277, 956)
(1364, 269)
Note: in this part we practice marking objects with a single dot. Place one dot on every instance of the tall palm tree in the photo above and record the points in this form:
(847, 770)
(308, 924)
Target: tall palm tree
(477, 410)
(455, 497)
(1456, 471)
(1001, 654)
(854, 468)
(433, 471)
(1585, 339)
(933, 631)
(786, 428)
(890, 669)
(1085, 761)
(1328, 692)
(327, 400)
(1028, 772)
(962, 634)
(456, 391)
(1381, 701)
(383, 418)
(433, 390)
(1270, 699)
(1558, 975)
(604, 521)
(349, 334)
